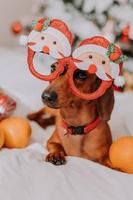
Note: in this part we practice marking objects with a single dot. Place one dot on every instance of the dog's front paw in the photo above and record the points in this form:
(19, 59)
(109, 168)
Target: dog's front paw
(56, 158)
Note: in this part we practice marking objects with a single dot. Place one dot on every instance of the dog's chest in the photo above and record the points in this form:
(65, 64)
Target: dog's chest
(72, 144)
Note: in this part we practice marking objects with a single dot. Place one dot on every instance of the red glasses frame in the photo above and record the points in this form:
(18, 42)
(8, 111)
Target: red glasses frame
(72, 67)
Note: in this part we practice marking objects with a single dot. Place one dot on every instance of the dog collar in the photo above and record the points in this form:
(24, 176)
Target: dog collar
(80, 130)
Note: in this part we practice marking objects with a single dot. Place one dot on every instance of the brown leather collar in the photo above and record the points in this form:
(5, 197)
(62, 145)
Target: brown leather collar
(80, 130)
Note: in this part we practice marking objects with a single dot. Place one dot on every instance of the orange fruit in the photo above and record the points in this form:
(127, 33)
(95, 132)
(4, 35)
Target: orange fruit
(17, 132)
(121, 154)
(2, 139)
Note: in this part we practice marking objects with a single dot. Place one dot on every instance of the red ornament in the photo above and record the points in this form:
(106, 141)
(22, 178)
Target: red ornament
(7, 105)
(16, 28)
(125, 34)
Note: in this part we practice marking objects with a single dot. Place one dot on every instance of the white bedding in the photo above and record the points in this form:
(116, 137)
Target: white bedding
(23, 173)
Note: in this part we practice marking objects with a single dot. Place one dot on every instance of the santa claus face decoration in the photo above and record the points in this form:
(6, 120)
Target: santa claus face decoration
(95, 55)
(49, 40)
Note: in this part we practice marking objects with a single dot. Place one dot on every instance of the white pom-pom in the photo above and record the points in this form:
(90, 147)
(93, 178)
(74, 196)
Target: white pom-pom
(23, 39)
(119, 81)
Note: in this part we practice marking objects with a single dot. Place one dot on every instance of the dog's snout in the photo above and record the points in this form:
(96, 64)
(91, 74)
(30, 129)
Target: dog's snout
(49, 97)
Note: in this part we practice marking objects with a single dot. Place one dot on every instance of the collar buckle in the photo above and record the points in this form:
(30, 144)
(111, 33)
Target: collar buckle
(79, 130)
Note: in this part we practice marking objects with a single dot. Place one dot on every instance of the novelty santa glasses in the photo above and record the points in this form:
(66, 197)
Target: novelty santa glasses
(95, 55)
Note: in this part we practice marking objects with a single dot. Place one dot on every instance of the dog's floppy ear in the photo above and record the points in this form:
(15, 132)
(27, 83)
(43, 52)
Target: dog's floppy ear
(105, 104)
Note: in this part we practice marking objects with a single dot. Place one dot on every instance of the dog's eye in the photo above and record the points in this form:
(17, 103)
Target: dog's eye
(80, 75)
(65, 69)
(53, 67)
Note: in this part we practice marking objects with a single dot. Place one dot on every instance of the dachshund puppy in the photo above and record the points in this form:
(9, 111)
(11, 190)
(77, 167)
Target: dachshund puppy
(80, 90)
(76, 113)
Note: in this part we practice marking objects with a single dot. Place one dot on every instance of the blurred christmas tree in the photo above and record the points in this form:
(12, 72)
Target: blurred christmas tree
(86, 18)
(110, 18)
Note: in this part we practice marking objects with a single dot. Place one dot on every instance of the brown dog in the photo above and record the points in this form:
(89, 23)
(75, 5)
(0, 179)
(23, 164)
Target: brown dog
(76, 113)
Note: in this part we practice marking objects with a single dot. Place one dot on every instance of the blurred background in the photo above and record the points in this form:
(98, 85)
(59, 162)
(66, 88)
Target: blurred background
(86, 18)
(10, 10)
(111, 18)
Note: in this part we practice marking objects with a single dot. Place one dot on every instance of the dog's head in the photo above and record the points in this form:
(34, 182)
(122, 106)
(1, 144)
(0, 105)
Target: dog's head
(59, 95)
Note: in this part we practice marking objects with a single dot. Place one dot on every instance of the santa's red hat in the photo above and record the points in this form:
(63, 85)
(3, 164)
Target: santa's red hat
(57, 28)
(103, 47)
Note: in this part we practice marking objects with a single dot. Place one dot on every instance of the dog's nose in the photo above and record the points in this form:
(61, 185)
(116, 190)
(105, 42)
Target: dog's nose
(49, 97)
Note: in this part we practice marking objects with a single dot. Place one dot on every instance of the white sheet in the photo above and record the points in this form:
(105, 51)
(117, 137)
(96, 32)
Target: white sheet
(23, 173)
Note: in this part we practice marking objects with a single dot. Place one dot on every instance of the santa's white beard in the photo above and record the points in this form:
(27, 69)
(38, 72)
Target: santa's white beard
(100, 70)
(54, 53)
(36, 47)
